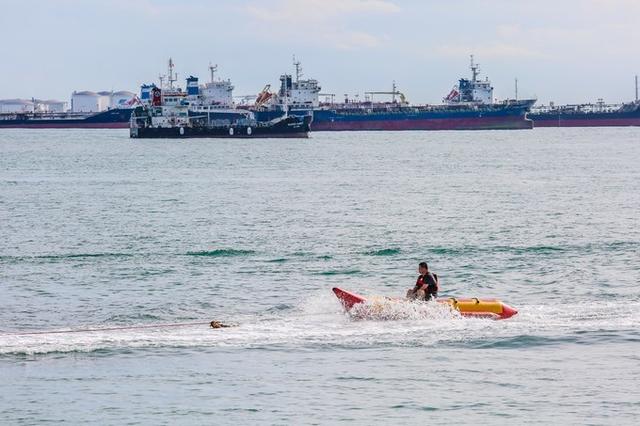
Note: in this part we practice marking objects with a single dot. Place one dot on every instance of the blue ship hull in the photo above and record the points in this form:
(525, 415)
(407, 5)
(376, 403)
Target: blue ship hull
(111, 119)
(463, 117)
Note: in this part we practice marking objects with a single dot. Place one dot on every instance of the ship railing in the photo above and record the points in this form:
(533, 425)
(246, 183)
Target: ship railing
(11, 116)
(47, 114)
(577, 108)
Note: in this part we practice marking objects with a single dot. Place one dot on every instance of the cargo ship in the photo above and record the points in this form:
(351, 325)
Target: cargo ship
(111, 119)
(498, 116)
(587, 115)
(89, 110)
(205, 112)
(469, 106)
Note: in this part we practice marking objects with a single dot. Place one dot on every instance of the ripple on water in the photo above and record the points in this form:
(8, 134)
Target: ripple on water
(221, 253)
(383, 252)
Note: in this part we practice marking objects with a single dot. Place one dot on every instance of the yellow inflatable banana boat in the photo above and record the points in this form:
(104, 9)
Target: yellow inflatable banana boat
(474, 307)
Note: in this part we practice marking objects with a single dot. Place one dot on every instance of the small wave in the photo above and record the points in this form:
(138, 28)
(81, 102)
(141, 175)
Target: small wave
(136, 318)
(221, 253)
(521, 341)
(536, 249)
(533, 249)
(622, 244)
(340, 272)
(71, 256)
(54, 257)
(383, 252)
(466, 250)
(280, 307)
(312, 255)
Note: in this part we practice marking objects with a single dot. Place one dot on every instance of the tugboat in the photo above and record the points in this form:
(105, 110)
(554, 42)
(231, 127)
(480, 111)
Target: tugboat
(169, 112)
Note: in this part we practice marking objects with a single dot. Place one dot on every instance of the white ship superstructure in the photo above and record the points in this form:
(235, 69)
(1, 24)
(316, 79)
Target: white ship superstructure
(168, 106)
(216, 92)
(298, 93)
(216, 96)
(473, 91)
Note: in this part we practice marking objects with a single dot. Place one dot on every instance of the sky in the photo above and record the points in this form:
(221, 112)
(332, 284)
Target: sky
(567, 51)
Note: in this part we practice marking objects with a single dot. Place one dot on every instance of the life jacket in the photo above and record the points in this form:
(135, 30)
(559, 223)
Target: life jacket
(420, 282)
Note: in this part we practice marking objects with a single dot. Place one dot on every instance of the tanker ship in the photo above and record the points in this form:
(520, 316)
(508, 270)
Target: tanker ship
(89, 110)
(469, 106)
(205, 111)
(587, 115)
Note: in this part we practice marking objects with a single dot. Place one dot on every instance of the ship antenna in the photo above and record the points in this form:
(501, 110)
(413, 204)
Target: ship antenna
(172, 77)
(393, 92)
(516, 88)
(212, 70)
(636, 88)
(475, 70)
(298, 68)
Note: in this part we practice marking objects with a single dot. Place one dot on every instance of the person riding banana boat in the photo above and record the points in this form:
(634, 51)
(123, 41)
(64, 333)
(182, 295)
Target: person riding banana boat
(427, 285)
(426, 288)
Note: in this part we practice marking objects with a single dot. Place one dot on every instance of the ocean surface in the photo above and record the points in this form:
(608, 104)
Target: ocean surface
(116, 253)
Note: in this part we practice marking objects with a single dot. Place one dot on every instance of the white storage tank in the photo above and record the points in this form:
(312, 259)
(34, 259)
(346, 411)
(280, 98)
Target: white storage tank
(52, 105)
(85, 101)
(121, 98)
(16, 105)
(105, 100)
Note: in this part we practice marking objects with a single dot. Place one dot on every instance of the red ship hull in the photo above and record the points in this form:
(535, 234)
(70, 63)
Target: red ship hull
(74, 125)
(608, 122)
(470, 123)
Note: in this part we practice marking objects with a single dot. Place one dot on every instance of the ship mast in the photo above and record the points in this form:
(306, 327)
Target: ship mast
(298, 69)
(172, 77)
(212, 70)
(475, 70)
(636, 88)
(393, 92)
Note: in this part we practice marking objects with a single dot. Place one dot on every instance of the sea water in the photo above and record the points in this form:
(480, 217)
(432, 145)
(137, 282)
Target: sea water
(135, 245)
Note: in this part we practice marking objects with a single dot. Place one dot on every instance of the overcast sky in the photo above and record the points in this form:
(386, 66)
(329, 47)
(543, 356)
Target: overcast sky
(566, 51)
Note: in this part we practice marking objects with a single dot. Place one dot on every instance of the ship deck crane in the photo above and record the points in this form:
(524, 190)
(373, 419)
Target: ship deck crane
(263, 96)
(394, 92)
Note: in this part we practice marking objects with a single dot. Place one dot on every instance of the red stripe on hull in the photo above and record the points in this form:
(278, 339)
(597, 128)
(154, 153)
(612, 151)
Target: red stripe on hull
(66, 126)
(301, 135)
(482, 123)
(610, 122)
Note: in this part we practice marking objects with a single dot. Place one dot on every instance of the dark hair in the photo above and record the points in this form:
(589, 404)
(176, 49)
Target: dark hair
(423, 265)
